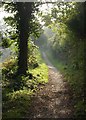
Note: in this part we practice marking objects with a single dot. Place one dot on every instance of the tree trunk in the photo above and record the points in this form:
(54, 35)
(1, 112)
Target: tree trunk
(24, 14)
(23, 48)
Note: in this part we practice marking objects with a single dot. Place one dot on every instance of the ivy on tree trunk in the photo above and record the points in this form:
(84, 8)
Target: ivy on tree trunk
(24, 13)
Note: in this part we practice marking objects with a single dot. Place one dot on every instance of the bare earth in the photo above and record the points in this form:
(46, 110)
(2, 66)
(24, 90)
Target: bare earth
(54, 100)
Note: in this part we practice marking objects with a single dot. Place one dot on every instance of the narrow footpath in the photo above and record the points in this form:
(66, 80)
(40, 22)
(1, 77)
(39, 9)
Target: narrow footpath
(54, 100)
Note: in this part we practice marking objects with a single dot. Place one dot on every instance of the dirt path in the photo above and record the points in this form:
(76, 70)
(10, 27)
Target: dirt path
(54, 99)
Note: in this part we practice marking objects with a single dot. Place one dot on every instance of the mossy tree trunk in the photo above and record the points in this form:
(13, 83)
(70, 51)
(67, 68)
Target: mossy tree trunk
(24, 14)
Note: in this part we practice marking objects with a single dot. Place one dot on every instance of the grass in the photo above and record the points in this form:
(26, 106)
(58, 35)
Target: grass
(41, 73)
(15, 104)
(17, 92)
(75, 78)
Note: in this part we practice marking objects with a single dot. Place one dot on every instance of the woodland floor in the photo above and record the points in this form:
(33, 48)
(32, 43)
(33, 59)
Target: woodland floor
(54, 99)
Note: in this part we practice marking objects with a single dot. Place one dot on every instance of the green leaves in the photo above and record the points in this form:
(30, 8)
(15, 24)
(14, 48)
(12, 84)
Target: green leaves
(11, 21)
(36, 28)
(10, 7)
(60, 12)
(76, 21)
(6, 42)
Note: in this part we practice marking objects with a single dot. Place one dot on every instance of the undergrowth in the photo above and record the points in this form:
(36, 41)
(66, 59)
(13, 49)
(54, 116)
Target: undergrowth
(75, 78)
(18, 90)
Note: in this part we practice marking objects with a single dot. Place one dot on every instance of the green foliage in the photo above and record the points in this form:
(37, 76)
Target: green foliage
(41, 73)
(66, 46)
(23, 13)
(60, 12)
(9, 67)
(18, 90)
(36, 28)
(46, 19)
(6, 42)
(11, 21)
(80, 109)
(0, 53)
(67, 49)
(76, 22)
(63, 11)
(73, 72)
(32, 56)
(15, 104)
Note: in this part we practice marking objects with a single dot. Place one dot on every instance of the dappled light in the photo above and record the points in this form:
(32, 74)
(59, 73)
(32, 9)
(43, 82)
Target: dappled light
(42, 58)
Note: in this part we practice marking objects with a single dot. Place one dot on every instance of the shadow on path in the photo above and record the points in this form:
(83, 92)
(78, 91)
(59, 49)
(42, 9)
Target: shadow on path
(54, 99)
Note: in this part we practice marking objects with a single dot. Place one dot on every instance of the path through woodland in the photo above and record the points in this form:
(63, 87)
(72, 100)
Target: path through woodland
(53, 100)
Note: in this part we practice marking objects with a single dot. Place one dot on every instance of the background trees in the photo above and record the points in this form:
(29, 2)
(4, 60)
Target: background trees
(64, 45)
(67, 46)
